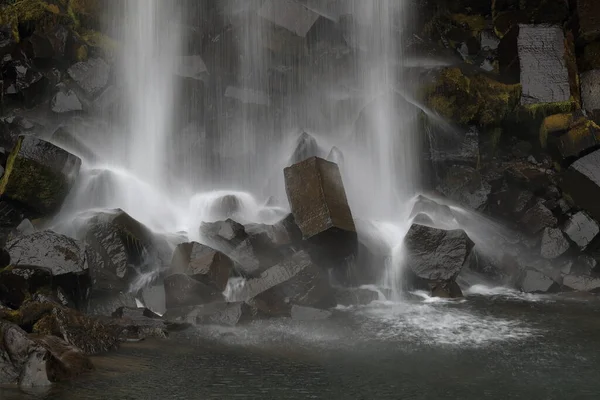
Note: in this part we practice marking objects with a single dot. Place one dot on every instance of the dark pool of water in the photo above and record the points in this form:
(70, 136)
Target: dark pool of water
(491, 346)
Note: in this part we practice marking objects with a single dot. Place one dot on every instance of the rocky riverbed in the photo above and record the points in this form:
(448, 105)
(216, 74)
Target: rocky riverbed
(510, 196)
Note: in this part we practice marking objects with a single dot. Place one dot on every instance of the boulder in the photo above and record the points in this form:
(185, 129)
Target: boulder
(582, 283)
(569, 136)
(140, 323)
(437, 213)
(182, 290)
(231, 238)
(22, 82)
(20, 282)
(436, 255)
(22, 361)
(64, 257)
(306, 147)
(66, 361)
(581, 229)
(318, 202)
(581, 182)
(202, 263)
(39, 174)
(537, 218)
(537, 54)
(65, 101)
(534, 281)
(463, 150)
(191, 67)
(290, 15)
(217, 313)
(107, 302)
(355, 296)
(91, 75)
(554, 243)
(466, 186)
(589, 19)
(225, 207)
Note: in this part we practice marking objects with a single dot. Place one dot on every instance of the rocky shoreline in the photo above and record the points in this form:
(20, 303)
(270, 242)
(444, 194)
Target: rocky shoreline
(523, 98)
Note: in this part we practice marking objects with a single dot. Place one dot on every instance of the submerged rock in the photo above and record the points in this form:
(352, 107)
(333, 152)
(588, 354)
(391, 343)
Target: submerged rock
(202, 263)
(217, 313)
(355, 296)
(581, 229)
(436, 255)
(318, 202)
(39, 174)
(299, 313)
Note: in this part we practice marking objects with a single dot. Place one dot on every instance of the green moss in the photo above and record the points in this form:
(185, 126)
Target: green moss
(552, 124)
(474, 23)
(479, 99)
(31, 183)
(22, 11)
(98, 40)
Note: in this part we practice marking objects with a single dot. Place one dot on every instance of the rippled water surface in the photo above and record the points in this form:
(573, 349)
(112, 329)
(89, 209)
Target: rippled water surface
(496, 344)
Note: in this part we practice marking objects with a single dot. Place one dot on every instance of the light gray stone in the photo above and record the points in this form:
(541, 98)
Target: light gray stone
(581, 229)
(554, 243)
(590, 90)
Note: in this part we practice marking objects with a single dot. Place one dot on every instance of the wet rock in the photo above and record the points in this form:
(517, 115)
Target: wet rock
(441, 214)
(218, 313)
(91, 75)
(231, 238)
(182, 290)
(590, 86)
(64, 257)
(66, 361)
(39, 174)
(7, 40)
(463, 151)
(299, 313)
(248, 96)
(536, 282)
(318, 202)
(445, 290)
(90, 334)
(65, 101)
(21, 81)
(67, 140)
(589, 19)
(582, 283)
(568, 136)
(191, 67)
(10, 217)
(581, 181)
(306, 147)
(436, 255)
(38, 46)
(581, 229)
(511, 202)
(279, 235)
(19, 283)
(355, 296)
(466, 186)
(106, 303)
(554, 243)
(140, 323)
(202, 263)
(22, 361)
(537, 218)
(289, 15)
(225, 207)
(336, 156)
(538, 53)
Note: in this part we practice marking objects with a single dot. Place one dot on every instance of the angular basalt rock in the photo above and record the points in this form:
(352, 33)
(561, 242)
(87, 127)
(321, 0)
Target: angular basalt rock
(182, 290)
(554, 243)
(581, 229)
(568, 136)
(581, 181)
(436, 255)
(105, 303)
(217, 313)
(91, 75)
(290, 15)
(22, 82)
(65, 101)
(466, 186)
(202, 263)
(464, 151)
(537, 218)
(306, 147)
(318, 202)
(18, 283)
(39, 174)
(589, 19)
(536, 282)
(582, 283)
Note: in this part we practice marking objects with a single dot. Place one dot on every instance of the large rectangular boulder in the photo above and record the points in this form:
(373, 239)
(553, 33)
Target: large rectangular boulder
(581, 181)
(39, 175)
(318, 202)
(543, 65)
(202, 263)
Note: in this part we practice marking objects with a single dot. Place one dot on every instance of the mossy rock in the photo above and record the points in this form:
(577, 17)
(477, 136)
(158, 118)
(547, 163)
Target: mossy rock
(39, 175)
(100, 42)
(467, 100)
(568, 136)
